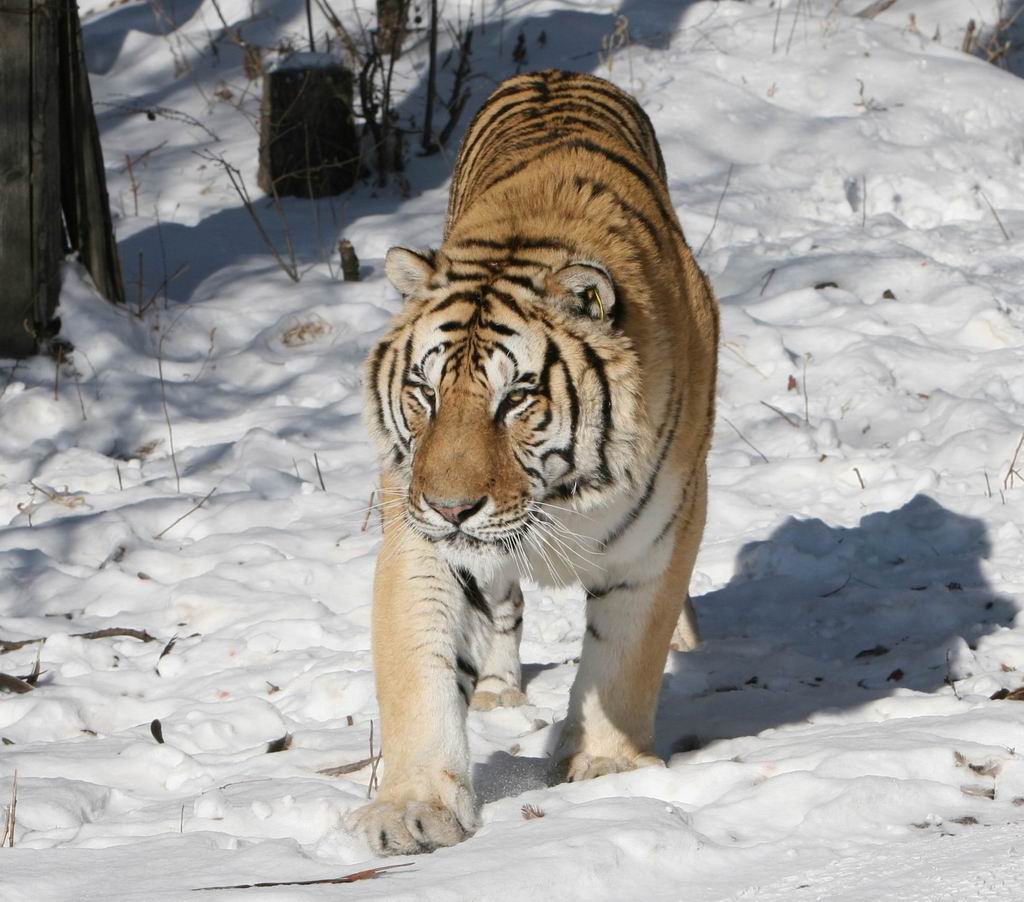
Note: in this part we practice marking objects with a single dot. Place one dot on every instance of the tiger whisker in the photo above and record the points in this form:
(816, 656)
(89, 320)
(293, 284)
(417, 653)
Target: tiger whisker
(556, 547)
(562, 509)
(567, 549)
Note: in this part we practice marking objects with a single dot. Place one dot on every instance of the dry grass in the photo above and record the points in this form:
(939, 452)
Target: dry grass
(1012, 473)
(531, 812)
(11, 816)
(187, 513)
(343, 769)
(305, 333)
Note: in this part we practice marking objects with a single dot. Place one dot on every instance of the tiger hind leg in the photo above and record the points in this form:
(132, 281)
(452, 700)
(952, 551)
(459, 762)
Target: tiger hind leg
(500, 681)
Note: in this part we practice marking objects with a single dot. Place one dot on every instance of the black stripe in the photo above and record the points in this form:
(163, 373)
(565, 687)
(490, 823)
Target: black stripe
(467, 668)
(596, 365)
(505, 298)
(510, 629)
(454, 298)
(390, 398)
(638, 173)
(600, 110)
(529, 471)
(574, 413)
(593, 147)
(498, 346)
(671, 521)
(592, 630)
(375, 362)
(522, 282)
(500, 328)
(512, 244)
(466, 276)
(634, 514)
(598, 594)
(452, 325)
(599, 188)
(471, 590)
(478, 127)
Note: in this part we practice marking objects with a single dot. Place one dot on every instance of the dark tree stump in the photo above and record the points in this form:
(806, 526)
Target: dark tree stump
(392, 25)
(349, 261)
(309, 146)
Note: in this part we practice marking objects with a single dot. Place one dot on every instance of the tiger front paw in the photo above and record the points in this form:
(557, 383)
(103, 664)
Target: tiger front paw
(506, 698)
(414, 823)
(407, 828)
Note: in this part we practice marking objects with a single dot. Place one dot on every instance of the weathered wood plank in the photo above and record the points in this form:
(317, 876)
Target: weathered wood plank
(47, 233)
(16, 277)
(94, 239)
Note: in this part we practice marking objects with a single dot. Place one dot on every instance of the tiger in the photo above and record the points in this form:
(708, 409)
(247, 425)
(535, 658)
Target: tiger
(542, 407)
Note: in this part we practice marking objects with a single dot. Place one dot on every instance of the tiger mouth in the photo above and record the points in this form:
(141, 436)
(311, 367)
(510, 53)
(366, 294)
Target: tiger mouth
(460, 540)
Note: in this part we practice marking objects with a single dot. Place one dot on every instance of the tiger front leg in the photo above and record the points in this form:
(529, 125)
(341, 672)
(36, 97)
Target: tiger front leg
(630, 622)
(426, 796)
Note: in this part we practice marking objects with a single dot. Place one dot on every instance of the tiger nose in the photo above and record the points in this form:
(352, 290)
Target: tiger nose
(456, 512)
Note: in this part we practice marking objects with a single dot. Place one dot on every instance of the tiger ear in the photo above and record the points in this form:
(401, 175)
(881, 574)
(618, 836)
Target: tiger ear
(409, 271)
(590, 287)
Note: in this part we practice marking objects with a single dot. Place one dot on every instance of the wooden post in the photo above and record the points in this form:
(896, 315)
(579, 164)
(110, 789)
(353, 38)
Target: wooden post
(50, 160)
(309, 146)
(30, 233)
(83, 177)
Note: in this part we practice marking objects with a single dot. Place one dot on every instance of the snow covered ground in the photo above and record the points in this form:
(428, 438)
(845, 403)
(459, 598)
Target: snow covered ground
(857, 192)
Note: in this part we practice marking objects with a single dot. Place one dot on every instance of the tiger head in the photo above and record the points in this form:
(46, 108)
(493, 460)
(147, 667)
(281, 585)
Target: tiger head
(500, 394)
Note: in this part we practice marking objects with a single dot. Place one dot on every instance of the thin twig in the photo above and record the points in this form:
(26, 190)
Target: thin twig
(999, 222)
(10, 820)
(794, 423)
(369, 510)
(203, 501)
(1011, 470)
(289, 267)
(57, 361)
(874, 9)
(767, 279)
(745, 439)
(860, 478)
(316, 460)
(372, 784)
(114, 631)
(163, 402)
(368, 874)
(718, 209)
(949, 676)
(160, 289)
(343, 769)
(807, 411)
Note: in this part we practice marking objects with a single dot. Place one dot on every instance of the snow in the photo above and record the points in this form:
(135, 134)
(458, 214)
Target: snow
(860, 584)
